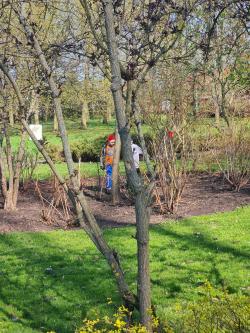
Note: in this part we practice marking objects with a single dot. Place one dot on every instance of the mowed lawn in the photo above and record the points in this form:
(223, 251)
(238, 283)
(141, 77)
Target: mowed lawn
(51, 281)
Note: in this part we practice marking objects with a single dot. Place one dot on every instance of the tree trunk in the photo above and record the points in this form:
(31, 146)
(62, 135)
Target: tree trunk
(142, 236)
(115, 174)
(85, 115)
(8, 204)
(142, 213)
(10, 190)
(55, 124)
(107, 115)
(11, 115)
(35, 106)
(217, 115)
(85, 106)
(18, 167)
(223, 111)
(3, 180)
(36, 116)
(195, 98)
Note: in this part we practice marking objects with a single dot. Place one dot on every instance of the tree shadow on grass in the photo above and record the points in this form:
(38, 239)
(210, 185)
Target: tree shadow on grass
(200, 240)
(183, 260)
(53, 285)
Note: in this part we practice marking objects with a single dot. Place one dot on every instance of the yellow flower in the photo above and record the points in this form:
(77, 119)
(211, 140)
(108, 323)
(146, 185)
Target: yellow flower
(119, 324)
(155, 322)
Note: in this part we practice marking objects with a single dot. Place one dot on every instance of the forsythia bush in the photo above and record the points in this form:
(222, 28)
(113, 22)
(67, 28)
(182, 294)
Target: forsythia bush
(216, 311)
(116, 324)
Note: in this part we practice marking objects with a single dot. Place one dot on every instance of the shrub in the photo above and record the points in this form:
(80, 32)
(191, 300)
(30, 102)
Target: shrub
(217, 311)
(29, 164)
(171, 153)
(118, 323)
(88, 150)
(233, 158)
(55, 152)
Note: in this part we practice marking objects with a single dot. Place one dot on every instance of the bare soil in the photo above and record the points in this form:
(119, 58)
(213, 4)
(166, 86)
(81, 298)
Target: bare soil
(204, 194)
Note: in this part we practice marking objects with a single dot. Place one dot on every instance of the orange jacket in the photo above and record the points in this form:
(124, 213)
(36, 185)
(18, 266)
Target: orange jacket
(109, 154)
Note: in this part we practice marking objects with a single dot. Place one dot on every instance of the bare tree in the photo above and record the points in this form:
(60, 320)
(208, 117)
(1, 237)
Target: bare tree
(142, 193)
(136, 39)
(84, 214)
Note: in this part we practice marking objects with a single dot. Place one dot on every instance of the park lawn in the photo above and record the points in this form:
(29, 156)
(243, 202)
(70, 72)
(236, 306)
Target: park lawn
(92, 169)
(75, 133)
(87, 169)
(53, 280)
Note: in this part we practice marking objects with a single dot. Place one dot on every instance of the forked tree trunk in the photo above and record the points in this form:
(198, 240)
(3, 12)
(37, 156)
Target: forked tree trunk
(115, 174)
(10, 189)
(84, 214)
(140, 192)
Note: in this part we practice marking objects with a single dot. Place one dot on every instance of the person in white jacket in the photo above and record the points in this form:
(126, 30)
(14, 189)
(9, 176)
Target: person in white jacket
(137, 151)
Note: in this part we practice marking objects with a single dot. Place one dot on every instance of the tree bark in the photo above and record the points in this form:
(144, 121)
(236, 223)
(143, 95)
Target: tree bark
(85, 106)
(55, 123)
(195, 98)
(84, 115)
(135, 182)
(2, 174)
(8, 203)
(36, 108)
(115, 174)
(223, 111)
(107, 115)
(217, 115)
(18, 167)
(11, 114)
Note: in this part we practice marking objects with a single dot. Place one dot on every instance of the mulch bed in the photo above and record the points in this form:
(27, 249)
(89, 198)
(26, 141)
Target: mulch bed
(204, 194)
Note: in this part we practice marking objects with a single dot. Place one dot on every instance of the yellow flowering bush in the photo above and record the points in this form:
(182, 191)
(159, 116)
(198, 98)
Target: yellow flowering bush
(215, 311)
(118, 323)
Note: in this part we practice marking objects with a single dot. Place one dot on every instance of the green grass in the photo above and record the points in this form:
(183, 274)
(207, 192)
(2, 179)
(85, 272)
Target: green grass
(51, 281)
(75, 133)
(88, 169)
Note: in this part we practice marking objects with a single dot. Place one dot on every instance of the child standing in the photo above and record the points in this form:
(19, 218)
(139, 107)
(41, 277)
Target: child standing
(107, 160)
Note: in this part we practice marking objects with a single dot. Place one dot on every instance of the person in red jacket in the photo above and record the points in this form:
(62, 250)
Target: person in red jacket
(107, 156)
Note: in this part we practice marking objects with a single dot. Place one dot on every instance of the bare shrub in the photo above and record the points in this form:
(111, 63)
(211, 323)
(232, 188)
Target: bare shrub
(171, 152)
(171, 155)
(56, 208)
(233, 158)
(29, 164)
